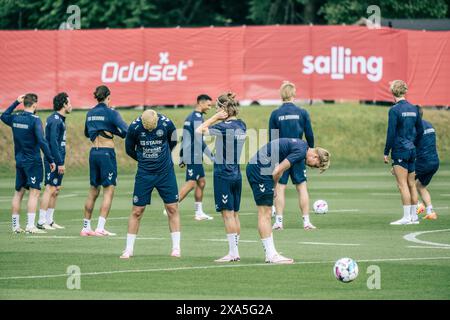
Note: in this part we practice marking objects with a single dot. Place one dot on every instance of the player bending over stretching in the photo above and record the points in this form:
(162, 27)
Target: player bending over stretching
(28, 138)
(427, 164)
(263, 174)
(230, 135)
(404, 131)
(55, 133)
(102, 123)
(150, 140)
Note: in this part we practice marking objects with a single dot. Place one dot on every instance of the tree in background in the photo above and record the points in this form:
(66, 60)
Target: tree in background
(349, 11)
(49, 14)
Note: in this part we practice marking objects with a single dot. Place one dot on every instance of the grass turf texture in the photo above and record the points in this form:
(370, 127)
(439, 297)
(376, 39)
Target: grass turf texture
(361, 194)
(406, 272)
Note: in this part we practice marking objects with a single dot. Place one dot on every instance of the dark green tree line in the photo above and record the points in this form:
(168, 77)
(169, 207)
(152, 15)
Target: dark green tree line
(49, 14)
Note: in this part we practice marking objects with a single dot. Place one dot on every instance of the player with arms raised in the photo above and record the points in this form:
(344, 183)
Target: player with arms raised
(28, 137)
(102, 124)
(230, 135)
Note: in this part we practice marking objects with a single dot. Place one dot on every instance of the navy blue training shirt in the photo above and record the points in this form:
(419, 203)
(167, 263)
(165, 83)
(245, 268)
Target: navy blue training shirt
(292, 122)
(102, 118)
(152, 149)
(193, 146)
(404, 129)
(28, 136)
(274, 152)
(426, 152)
(230, 139)
(55, 133)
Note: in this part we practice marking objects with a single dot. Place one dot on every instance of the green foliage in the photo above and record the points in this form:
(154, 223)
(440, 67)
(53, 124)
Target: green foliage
(49, 14)
(349, 11)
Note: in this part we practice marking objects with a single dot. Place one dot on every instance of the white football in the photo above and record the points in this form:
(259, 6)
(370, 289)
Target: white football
(320, 207)
(345, 270)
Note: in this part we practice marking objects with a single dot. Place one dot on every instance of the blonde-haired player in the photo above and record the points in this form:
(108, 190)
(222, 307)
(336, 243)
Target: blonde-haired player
(149, 141)
(263, 173)
(403, 134)
(290, 121)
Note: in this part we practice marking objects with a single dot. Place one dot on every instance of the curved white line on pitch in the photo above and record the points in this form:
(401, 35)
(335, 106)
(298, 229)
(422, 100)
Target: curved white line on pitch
(413, 238)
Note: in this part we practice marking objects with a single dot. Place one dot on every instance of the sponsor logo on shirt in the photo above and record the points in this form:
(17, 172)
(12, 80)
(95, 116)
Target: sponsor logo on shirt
(409, 114)
(340, 62)
(428, 131)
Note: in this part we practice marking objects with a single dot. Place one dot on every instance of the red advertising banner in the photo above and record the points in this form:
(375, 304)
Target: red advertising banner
(173, 66)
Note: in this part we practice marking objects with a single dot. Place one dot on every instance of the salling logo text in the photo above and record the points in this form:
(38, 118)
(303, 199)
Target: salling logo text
(341, 62)
(163, 71)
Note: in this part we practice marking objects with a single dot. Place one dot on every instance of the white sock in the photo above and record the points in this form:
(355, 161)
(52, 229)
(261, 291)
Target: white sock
(87, 224)
(238, 237)
(429, 209)
(306, 220)
(101, 223)
(198, 208)
(42, 216)
(269, 247)
(232, 244)
(176, 240)
(130, 242)
(49, 217)
(279, 219)
(407, 212)
(15, 221)
(31, 217)
(414, 212)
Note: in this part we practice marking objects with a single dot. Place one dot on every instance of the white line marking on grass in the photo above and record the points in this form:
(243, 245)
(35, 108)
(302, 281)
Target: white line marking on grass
(425, 247)
(52, 237)
(385, 194)
(212, 267)
(445, 195)
(226, 240)
(331, 243)
(345, 210)
(413, 238)
(71, 195)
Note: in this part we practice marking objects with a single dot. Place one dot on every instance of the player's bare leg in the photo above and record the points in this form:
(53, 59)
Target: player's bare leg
(199, 213)
(238, 226)
(426, 198)
(51, 209)
(33, 199)
(45, 203)
(186, 189)
(232, 227)
(15, 209)
(265, 232)
(280, 203)
(401, 175)
(88, 208)
(303, 204)
(134, 222)
(173, 215)
(108, 195)
(414, 197)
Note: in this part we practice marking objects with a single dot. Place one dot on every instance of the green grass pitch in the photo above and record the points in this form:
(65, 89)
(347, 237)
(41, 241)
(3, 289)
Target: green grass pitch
(362, 203)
